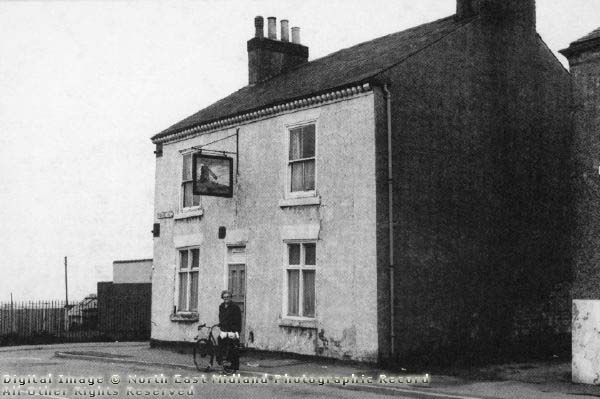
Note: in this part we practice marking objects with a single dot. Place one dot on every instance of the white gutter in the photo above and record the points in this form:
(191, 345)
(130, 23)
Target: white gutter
(333, 96)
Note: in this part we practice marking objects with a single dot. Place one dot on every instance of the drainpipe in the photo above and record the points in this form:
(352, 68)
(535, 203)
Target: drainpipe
(388, 101)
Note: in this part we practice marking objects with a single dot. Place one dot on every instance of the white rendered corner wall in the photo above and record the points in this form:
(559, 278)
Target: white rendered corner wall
(585, 368)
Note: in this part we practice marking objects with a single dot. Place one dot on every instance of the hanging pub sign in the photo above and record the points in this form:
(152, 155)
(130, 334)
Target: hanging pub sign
(213, 175)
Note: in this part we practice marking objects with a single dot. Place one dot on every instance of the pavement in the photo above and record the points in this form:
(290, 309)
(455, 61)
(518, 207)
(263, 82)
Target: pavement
(550, 379)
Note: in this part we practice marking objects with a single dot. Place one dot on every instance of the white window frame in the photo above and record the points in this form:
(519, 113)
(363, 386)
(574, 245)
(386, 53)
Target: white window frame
(188, 270)
(183, 182)
(288, 172)
(302, 266)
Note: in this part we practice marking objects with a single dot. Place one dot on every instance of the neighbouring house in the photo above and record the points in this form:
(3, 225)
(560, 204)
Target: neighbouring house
(404, 198)
(124, 304)
(584, 62)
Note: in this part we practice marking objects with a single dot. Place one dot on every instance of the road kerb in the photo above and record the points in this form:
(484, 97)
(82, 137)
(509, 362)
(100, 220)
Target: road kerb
(120, 360)
(368, 388)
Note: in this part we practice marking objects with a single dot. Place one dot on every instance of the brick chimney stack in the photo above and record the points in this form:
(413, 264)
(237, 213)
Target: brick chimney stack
(465, 9)
(269, 57)
(515, 12)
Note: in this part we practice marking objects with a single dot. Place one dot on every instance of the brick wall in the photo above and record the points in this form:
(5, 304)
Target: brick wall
(481, 133)
(544, 327)
(124, 310)
(585, 67)
(552, 315)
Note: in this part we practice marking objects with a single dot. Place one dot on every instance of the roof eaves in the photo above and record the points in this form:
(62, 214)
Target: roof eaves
(585, 43)
(322, 97)
(132, 261)
(580, 47)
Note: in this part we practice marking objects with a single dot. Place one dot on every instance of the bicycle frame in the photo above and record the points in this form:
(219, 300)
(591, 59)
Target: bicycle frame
(210, 336)
(209, 346)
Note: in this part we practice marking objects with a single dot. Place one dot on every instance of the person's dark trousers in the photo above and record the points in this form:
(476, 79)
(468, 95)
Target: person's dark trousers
(234, 355)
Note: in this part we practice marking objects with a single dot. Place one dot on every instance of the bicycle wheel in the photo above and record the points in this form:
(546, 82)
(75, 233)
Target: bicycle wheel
(203, 355)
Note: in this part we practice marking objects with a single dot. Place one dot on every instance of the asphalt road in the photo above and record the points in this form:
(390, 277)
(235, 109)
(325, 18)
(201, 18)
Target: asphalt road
(39, 374)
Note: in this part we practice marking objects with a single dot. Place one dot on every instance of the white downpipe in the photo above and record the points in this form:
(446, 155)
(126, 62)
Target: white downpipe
(388, 100)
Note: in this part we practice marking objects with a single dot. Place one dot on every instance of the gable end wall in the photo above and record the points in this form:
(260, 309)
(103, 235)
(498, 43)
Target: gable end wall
(481, 131)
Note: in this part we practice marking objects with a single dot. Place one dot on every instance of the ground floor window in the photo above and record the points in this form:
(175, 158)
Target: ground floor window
(188, 279)
(300, 279)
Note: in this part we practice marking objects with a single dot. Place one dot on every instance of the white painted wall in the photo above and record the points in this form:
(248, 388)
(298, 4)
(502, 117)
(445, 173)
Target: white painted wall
(585, 366)
(346, 277)
(132, 271)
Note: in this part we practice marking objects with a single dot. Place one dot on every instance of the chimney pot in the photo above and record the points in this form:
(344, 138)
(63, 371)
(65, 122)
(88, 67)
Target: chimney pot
(269, 57)
(272, 28)
(259, 22)
(285, 31)
(296, 35)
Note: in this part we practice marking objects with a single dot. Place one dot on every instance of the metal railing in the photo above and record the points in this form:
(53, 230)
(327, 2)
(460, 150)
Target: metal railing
(44, 322)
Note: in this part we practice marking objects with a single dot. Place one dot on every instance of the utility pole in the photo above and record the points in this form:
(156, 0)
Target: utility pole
(66, 285)
(12, 316)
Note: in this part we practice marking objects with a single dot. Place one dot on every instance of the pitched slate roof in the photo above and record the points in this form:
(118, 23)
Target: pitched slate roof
(590, 36)
(352, 65)
(587, 42)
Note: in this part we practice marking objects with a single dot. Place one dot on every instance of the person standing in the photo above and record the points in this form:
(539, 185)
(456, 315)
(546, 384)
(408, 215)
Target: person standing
(230, 322)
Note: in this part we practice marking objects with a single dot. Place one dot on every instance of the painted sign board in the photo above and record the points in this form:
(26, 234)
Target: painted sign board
(164, 215)
(213, 175)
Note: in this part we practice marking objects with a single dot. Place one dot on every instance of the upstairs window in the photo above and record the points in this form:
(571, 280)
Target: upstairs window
(188, 198)
(301, 160)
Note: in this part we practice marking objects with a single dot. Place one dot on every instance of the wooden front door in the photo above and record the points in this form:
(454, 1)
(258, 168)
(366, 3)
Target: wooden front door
(237, 281)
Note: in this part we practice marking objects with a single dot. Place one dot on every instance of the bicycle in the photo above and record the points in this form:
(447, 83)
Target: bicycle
(207, 350)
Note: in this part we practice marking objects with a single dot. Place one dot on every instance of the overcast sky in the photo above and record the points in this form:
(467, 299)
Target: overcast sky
(84, 84)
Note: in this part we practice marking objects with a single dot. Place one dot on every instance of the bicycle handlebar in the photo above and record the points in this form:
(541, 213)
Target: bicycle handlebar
(203, 325)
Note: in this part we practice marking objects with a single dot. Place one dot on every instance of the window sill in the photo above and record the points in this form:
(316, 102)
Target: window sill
(192, 213)
(299, 323)
(185, 317)
(300, 201)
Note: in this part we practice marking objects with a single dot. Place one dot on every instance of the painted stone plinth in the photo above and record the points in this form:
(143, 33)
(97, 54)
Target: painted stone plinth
(586, 342)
